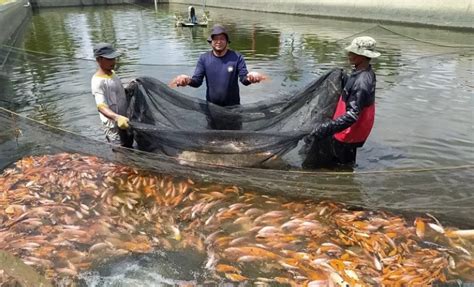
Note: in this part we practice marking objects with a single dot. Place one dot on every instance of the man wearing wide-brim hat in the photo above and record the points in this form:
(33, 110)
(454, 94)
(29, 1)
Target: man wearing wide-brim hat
(336, 141)
(223, 68)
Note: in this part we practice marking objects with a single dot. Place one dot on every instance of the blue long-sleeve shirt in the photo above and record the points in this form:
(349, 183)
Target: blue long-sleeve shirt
(222, 76)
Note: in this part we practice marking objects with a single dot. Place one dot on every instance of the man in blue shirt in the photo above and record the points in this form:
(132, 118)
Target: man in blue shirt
(223, 68)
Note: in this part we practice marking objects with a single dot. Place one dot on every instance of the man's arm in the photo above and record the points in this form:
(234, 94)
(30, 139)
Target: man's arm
(243, 72)
(107, 112)
(194, 81)
(353, 109)
(245, 76)
(103, 108)
(199, 73)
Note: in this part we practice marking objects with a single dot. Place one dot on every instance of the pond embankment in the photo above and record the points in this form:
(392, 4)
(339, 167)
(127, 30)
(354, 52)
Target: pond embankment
(454, 14)
(450, 14)
(62, 3)
(12, 15)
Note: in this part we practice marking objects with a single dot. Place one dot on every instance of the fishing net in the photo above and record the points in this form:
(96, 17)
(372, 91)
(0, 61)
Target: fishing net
(65, 213)
(175, 128)
(165, 120)
(397, 190)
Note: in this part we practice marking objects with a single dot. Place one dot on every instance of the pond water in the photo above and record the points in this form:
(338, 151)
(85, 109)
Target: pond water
(424, 93)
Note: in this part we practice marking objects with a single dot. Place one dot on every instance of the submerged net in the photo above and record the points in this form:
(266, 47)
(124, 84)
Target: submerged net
(164, 120)
(450, 195)
(83, 212)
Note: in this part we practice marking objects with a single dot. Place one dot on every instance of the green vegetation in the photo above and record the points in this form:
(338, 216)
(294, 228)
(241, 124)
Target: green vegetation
(5, 1)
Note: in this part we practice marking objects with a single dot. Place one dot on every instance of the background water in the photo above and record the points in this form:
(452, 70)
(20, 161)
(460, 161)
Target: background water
(424, 91)
(424, 96)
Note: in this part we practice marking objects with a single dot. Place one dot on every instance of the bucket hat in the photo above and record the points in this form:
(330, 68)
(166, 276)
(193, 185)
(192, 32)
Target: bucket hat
(217, 30)
(105, 50)
(364, 46)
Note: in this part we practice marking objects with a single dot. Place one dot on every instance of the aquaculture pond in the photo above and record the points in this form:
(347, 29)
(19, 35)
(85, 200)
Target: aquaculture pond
(76, 210)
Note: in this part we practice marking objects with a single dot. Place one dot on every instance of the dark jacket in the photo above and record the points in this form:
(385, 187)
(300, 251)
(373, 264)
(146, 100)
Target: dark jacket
(354, 116)
(222, 77)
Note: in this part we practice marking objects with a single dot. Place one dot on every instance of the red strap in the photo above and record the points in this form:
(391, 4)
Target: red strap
(360, 130)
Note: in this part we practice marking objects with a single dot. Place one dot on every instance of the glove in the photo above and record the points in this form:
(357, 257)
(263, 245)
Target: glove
(122, 122)
(308, 139)
(314, 135)
(308, 143)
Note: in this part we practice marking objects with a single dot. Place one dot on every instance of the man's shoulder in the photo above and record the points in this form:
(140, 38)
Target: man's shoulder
(366, 76)
(96, 79)
(102, 76)
(233, 53)
(206, 55)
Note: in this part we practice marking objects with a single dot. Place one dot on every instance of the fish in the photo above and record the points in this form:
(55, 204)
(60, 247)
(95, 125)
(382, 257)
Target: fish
(235, 277)
(234, 252)
(224, 268)
(106, 210)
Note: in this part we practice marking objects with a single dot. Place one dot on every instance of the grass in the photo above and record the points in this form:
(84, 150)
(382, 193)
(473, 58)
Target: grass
(5, 1)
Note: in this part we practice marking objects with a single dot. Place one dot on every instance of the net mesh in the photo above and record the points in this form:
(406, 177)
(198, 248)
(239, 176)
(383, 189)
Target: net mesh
(165, 120)
(397, 190)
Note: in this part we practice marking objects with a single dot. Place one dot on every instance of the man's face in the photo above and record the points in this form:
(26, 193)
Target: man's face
(355, 59)
(106, 64)
(219, 42)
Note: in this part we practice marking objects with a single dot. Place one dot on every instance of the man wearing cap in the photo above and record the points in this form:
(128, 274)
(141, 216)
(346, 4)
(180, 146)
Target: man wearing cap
(110, 96)
(222, 68)
(335, 142)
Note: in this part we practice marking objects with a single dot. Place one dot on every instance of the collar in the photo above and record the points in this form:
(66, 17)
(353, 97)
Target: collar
(355, 72)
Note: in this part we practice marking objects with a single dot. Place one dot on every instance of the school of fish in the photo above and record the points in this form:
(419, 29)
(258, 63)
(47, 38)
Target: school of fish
(65, 213)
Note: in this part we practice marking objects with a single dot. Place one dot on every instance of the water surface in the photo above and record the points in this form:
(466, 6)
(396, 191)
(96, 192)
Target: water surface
(423, 97)
(423, 130)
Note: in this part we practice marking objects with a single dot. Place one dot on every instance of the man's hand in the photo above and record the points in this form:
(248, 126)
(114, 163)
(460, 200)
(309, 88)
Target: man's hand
(122, 122)
(254, 77)
(308, 139)
(181, 81)
(314, 135)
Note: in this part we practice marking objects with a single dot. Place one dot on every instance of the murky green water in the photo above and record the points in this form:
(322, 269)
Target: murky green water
(424, 91)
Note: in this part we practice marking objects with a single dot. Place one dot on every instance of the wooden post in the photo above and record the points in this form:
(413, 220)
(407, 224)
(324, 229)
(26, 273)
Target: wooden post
(156, 5)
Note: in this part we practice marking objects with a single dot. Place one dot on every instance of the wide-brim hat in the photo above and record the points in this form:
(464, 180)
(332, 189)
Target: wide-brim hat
(105, 50)
(217, 30)
(364, 46)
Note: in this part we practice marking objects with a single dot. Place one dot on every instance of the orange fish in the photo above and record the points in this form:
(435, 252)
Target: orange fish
(224, 268)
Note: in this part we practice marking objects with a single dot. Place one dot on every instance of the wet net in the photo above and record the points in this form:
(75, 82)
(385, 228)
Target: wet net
(260, 134)
(396, 190)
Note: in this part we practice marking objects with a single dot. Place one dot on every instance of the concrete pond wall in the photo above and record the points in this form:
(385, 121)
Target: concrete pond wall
(453, 14)
(443, 13)
(12, 17)
(66, 3)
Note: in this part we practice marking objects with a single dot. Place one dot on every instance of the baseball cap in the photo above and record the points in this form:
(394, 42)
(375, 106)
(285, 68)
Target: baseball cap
(217, 30)
(105, 50)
